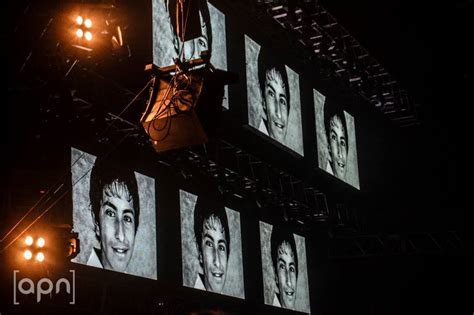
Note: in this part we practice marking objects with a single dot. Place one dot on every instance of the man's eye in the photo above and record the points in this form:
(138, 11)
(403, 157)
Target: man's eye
(209, 244)
(202, 43)
(110, 213)
(222, 248)
(282, 101)
(128, 219)
(292, 269)
(343, 143)
(333, 137)
(271, 93)
(282, 266)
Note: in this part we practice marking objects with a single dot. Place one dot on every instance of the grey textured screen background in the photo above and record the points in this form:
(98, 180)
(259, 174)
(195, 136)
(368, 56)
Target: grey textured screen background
(302, 302)
(234, 284)
(294, 136)
(143, 262)
(163, 46)
(352, 173)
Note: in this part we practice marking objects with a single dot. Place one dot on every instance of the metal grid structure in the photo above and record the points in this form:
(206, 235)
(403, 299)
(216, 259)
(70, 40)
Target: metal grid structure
(318, 30)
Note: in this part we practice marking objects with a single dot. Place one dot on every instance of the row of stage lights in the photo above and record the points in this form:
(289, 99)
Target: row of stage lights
(84, 28)
(34, 248)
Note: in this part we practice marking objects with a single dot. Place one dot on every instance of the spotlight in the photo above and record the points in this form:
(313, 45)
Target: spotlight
(88, 35)
(27, 254)
(40, 257)
(88, 23)
(79, 20)
(40, 242)
(79, 33)
(28, 240)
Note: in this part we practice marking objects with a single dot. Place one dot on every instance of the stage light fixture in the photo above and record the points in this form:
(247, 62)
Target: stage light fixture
(27, 254)
(79, 20)
(88, 36)
(29, 240)
(79, 33)
(40, 242)
(39, 257)
(88, 23)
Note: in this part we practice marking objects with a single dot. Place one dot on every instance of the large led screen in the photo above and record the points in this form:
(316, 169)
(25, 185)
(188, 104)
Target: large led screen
(273, 96)
(336, 138)
(114, 214)
(211, 245)
(167, 45)
(285, 276)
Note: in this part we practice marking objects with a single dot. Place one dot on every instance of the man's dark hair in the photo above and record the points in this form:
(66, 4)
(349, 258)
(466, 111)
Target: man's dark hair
(333, 108)
(106, 172)
(203, 210)
(266, 62)
(281, 234)
(194, 8)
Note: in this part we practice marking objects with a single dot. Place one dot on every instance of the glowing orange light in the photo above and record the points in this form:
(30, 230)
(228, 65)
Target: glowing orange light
(79, 33)
(88, 23)
(40, 242)
(28, 240)
(27, 254)
(79, 20)
(88, 35)
(40, 257)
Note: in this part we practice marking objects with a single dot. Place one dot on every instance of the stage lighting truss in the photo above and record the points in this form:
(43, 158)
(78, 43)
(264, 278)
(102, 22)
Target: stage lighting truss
(318, 30)
(369, 245)
(245, 176)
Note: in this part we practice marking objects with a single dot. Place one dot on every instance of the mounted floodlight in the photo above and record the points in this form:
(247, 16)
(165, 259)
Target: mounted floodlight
(29, 240)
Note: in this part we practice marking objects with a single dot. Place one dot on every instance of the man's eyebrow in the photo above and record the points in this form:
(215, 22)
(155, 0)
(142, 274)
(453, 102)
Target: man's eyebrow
(209, 236)
(111, 205)
(129, 211)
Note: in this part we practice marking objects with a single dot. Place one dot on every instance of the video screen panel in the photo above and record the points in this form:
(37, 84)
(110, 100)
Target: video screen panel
(114, 214)
(273, 96)
(285, 276)
(211, 246)
(336, 138)
(167, 46)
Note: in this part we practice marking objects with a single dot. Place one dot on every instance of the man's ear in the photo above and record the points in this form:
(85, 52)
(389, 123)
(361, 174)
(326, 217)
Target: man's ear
(96, 226)
(201, 264)
(277, 287)
(264, 106)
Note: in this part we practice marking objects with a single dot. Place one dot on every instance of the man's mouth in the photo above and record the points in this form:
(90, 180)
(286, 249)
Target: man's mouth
(217, 275)
(120, 250)
(278, 125)
(290, 293)
(341, 165)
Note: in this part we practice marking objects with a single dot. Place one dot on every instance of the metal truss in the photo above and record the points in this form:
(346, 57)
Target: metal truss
(318, 30)
(357, 246)
(245, 176)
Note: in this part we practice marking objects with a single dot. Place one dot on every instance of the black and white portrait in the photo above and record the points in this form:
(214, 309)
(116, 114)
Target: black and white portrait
(285, 277)
(336, 140)
(273, 96)
(211, 245)
(114, 214)
(167, 44)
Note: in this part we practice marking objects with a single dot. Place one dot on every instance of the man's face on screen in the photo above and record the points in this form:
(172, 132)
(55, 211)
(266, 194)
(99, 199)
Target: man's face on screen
(213, 257)
(275, 105)
(117, 227)
(194, 47)
(286, 275)
(338, 147)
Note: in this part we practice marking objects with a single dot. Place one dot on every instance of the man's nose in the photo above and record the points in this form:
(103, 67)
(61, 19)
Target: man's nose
(217, 261)
(288, 280)
(119, 235)
(277, 110)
